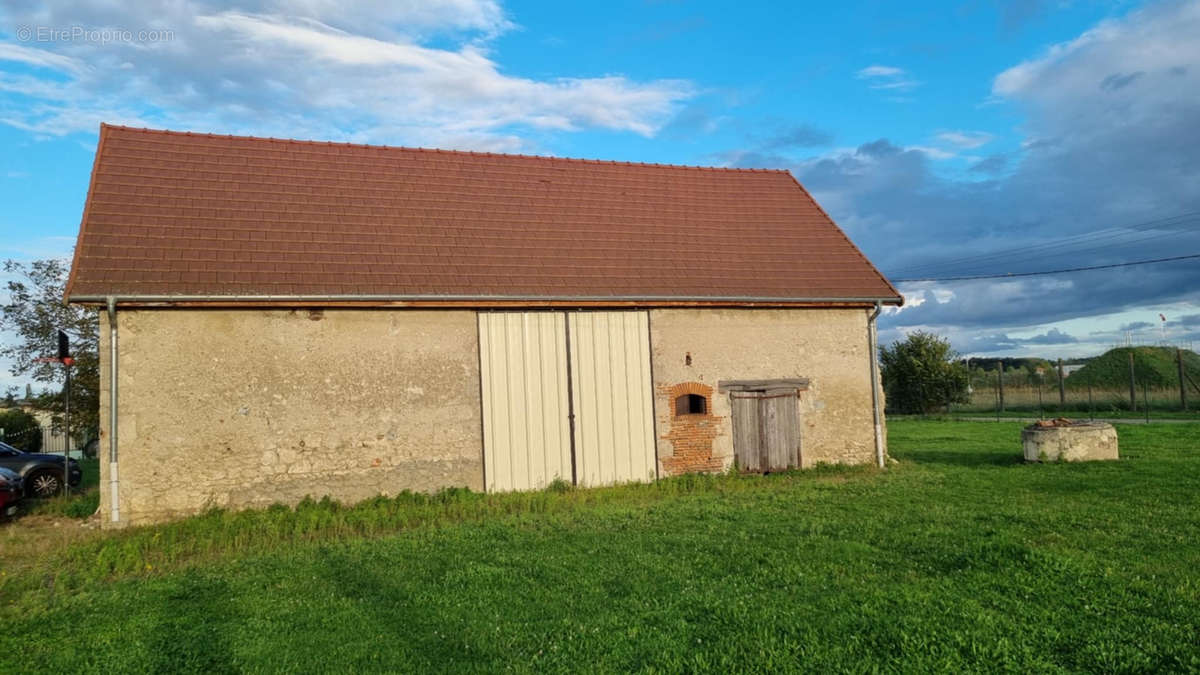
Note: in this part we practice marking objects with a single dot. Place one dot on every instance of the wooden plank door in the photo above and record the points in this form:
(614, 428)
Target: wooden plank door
(766, 430)
(779, 425)
(746, 437)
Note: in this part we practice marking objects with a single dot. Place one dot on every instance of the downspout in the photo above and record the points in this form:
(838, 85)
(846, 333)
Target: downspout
(113, 479)
(874, 348)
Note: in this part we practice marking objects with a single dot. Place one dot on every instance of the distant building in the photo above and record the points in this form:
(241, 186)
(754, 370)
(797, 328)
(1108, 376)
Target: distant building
(53, 439)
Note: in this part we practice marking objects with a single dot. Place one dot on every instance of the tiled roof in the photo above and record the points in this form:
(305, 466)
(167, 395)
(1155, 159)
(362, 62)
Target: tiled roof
(183, 214)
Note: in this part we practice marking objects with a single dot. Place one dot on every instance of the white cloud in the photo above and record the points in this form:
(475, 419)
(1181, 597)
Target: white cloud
(879, 71)
(37, 57)
(409, 73)
(887, 78)
(966, 139)
(1156, 43)
(931, 152)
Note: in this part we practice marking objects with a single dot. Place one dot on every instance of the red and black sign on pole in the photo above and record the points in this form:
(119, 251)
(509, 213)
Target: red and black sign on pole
(64, 348)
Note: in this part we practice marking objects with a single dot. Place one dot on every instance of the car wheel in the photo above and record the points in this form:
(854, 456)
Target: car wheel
(43, 484)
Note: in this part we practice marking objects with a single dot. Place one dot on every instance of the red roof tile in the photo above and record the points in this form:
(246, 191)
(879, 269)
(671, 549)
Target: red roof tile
(183, 214)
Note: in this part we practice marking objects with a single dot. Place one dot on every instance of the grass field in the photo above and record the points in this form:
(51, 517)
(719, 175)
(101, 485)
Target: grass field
(958, 557)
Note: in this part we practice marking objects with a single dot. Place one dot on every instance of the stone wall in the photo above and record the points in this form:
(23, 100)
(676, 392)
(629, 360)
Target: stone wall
(236, 408)
(697, 348)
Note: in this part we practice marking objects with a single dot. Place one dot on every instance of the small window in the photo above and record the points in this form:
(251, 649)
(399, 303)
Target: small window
(691, 404)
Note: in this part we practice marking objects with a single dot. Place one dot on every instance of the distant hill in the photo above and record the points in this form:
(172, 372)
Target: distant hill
(1155, 367)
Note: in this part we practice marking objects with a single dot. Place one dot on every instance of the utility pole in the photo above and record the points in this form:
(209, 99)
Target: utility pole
(64, 357)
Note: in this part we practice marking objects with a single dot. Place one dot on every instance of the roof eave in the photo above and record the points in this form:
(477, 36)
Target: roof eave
(478, 301)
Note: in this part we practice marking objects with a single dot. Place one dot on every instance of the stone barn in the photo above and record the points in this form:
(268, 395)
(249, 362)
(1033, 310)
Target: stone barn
(288, 318)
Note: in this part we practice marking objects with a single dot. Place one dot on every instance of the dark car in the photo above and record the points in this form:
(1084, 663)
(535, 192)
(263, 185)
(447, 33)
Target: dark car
(10, 492)
(42, 474)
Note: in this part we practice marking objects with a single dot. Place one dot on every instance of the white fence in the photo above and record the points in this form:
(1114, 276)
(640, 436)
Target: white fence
(53, 441)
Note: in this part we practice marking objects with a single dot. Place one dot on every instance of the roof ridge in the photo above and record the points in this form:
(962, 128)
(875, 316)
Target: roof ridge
(473, 153)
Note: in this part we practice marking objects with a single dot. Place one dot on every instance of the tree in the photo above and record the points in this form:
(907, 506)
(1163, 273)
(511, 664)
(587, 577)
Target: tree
(21, 430)
(31, 320)
(921, 373)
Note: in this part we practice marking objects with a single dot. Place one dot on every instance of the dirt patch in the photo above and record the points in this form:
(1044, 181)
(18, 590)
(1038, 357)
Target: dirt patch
(26, 539)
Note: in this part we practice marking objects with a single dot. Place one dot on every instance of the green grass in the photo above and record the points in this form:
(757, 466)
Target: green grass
(957, 558)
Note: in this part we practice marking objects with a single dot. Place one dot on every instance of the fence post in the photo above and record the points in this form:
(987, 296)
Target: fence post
(1179, 362)
(997, 399)
(1132, 384)
(1062, 391)
(1000, 379)
(1146, 399)
(1041, 406)
(1091, 409)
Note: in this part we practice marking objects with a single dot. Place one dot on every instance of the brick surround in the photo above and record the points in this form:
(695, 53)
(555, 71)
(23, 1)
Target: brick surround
(691, 435)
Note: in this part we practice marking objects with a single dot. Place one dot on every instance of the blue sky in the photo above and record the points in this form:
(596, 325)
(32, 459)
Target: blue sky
(1041, 135)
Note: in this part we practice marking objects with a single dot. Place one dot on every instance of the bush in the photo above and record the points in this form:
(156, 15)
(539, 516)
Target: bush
(920, 374)
(21, 430)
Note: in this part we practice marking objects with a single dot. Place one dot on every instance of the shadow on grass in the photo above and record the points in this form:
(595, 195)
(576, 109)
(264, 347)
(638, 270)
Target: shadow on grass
(961, 458)
(194, 620)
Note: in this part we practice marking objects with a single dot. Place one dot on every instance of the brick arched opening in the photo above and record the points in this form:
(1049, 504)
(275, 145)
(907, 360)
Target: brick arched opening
(692, 429)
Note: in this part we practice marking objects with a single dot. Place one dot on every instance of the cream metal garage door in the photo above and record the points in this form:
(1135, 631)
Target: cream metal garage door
(612, 397)
(523, 371)
(528, 396)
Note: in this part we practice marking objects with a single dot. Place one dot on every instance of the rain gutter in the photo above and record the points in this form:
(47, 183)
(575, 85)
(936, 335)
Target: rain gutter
(874, 358)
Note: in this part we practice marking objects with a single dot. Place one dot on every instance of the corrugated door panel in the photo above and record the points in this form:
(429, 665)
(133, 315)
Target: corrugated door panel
(523, 373)
(614, 416)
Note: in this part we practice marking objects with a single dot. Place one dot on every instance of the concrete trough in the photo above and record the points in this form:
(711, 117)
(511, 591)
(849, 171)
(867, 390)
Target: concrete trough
(1064, 440)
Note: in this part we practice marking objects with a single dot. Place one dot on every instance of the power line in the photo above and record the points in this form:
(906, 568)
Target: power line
(1049, 256)
(1064, 245)
(1062, 271)
(1085, 238)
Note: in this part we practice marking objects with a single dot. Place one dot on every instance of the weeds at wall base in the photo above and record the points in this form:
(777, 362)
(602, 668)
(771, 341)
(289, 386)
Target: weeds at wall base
(217, 533)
